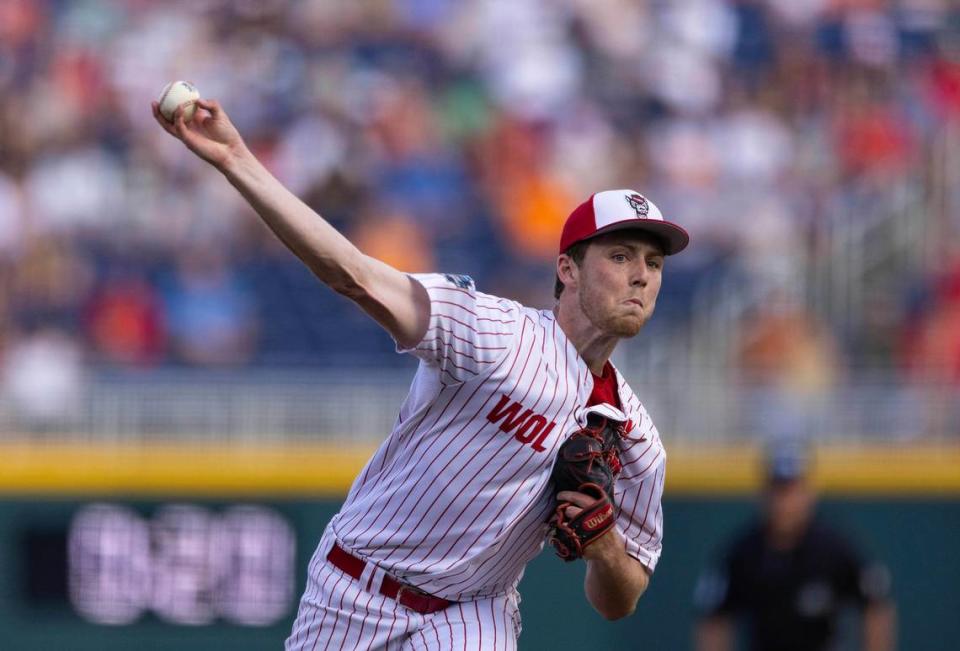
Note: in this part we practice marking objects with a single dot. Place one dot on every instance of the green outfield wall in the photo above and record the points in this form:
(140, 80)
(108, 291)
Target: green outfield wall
(120, 539)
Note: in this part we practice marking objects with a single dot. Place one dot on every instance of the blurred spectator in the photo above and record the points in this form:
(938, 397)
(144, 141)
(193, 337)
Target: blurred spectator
(783, 345)
(471, 126)
(788, 577)
(211, 318)
(932, 343)
(124, 321)
(49, 282)
(12, 220)
(529, 201)
(789, 365)
(43, 378)
(394, 238)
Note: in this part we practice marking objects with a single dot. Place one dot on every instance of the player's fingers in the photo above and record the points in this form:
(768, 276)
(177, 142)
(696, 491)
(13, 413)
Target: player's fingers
(573, 497)
(211, 105)
(182, 131)
(572, 511)
(162, 121)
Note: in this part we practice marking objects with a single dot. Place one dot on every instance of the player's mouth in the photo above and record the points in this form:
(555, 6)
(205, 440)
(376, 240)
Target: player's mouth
(635, 301)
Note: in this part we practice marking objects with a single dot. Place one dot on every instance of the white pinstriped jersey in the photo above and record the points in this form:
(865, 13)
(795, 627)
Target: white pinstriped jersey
(456, 499)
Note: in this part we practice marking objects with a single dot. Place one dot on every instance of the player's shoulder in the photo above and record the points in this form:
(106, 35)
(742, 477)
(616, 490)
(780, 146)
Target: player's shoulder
(460, 280)
(462, 288)
(641, 422)
(438, 281)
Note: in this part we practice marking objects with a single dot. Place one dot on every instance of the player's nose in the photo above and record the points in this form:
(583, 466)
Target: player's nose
(639, 274)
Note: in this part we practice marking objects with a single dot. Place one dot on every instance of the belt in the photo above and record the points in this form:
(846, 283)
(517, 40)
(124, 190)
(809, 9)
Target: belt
(406, 595)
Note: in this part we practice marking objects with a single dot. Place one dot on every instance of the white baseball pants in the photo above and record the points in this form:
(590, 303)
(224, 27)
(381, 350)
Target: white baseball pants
(337, 613)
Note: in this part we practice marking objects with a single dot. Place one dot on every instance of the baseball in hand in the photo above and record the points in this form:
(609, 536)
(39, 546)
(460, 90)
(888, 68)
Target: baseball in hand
(175, 94)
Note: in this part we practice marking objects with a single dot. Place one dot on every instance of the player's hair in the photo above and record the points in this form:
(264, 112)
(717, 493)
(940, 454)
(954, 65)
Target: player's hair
(576, 253)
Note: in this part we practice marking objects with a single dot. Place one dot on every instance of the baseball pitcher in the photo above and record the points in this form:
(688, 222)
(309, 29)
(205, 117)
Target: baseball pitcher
(517, 429)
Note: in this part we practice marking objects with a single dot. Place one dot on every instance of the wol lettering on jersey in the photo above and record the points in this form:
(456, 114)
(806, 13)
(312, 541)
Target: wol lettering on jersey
(531, 428)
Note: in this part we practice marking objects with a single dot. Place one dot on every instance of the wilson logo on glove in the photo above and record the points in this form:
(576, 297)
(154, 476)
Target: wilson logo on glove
(588, 463)
(599, 520)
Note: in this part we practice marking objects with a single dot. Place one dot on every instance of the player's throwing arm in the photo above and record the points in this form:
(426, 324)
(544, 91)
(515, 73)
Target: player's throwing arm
(395, 301)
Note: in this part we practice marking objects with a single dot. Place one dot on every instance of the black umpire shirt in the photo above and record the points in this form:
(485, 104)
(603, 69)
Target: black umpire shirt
(790, 600)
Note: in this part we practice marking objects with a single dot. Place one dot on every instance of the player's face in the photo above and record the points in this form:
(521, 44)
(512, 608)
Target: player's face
(789, 506)
(619, 282)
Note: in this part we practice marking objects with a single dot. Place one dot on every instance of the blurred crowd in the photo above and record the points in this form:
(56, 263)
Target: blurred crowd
(455, 135)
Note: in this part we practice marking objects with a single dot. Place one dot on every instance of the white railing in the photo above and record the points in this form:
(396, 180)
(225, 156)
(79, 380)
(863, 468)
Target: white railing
(247, 405)
(686, 404)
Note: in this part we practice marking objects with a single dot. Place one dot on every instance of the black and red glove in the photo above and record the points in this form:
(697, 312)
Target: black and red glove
(588, 462)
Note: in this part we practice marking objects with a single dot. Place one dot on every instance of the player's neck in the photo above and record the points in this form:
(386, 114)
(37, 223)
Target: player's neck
(594, 346)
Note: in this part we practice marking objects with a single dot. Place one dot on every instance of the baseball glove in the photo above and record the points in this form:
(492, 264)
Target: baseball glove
(588, 462)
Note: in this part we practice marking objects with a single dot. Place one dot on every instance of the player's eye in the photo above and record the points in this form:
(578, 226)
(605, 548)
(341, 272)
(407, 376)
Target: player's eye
(654, 264)
(619, 257)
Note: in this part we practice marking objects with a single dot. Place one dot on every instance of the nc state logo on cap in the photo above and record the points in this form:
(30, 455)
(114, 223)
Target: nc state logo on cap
(604, 212)
(639, 204)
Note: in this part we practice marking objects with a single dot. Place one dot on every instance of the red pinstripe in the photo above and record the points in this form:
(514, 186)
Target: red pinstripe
(463, 353)
(464, 620)
(359, 515)
(493, 618)
(325, 613)
(468, 310)
(396, 439)
(646, 509)
(506, 576)
(506, 441)
(508, 563)
(434, 325)
(470, 327)
(448, 360)
(376, 626)
(654, 489)
(643, 473)
(393, 621)
(455, 379)
(363, 624)
(471, 312)
(450, 441)
(478, 295)
(500, 560)
(467, 341)
(456, 519)
(412, 467)
(479, 628)
(336, 620)
(437, 632)
(449, 627)
(316, 592)
(533, 504)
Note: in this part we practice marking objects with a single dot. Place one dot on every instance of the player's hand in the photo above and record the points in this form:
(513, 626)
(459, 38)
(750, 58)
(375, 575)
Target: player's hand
(604, 544)
(210, 134)
(577, 501)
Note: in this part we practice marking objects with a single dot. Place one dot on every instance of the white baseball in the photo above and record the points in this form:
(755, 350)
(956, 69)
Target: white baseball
(175, 94)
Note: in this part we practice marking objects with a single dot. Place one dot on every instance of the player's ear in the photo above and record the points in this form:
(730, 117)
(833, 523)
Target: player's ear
(567, 270)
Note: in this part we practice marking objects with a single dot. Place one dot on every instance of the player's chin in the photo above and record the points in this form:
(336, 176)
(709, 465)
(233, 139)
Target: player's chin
(626, 326)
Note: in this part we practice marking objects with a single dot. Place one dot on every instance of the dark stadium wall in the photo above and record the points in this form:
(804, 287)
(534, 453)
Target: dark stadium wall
(915, 536)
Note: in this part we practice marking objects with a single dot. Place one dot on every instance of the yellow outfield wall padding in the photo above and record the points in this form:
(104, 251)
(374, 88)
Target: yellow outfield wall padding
(326, 470)
(837, 469)
(180, 468)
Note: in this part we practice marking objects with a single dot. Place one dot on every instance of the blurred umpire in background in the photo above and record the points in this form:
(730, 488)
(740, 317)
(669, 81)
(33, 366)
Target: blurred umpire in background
(785, 580)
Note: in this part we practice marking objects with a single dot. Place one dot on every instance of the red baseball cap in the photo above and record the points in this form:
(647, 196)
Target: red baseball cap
(614, 210)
